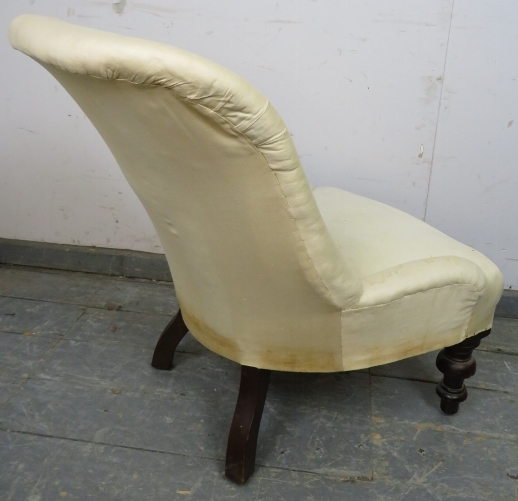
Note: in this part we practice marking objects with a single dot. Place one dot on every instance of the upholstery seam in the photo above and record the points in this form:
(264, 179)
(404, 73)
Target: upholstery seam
(478, 294)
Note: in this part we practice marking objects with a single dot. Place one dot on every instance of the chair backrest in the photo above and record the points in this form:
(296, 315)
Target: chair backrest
(215, 168)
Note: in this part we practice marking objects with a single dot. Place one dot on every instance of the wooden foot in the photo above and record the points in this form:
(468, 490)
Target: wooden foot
(242, 440)
(169, 339)
(457, 364)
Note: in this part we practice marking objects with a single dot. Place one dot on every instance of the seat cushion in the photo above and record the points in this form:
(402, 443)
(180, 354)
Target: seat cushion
(374, 238)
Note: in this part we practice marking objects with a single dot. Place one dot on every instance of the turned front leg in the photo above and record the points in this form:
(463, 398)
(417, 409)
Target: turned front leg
(457, 364)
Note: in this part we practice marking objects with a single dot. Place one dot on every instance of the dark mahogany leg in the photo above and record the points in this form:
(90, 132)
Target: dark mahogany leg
(169, 339)
(457, 364)
(242, 440)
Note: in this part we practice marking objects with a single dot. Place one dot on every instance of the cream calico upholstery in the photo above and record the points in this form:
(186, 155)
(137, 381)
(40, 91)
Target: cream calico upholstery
(267, 272)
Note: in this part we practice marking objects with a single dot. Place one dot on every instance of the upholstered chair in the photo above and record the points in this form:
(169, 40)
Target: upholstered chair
(268, 272)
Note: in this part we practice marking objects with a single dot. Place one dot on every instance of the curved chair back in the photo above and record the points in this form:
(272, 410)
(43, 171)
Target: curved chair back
(255, 270)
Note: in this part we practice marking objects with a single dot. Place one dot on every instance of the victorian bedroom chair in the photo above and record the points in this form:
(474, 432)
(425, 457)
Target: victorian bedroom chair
(268, 272)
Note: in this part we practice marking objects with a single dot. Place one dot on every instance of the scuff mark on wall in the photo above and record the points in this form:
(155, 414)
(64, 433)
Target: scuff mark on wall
(118, 6)
(491, 186)
(29, 130)
(156, 14)
(431, 86)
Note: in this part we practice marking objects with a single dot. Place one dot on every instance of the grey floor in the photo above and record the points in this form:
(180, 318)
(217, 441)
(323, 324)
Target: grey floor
(83, 416)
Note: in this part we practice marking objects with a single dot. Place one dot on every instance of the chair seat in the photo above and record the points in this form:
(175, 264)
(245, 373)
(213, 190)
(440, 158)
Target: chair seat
(415, 273)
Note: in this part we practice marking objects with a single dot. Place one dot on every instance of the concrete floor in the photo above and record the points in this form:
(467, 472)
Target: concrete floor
(83, 416)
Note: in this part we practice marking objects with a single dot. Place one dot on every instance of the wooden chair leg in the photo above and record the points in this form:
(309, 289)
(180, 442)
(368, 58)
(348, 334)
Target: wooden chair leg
(167, 343)
(457, 364)
(242, 439)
